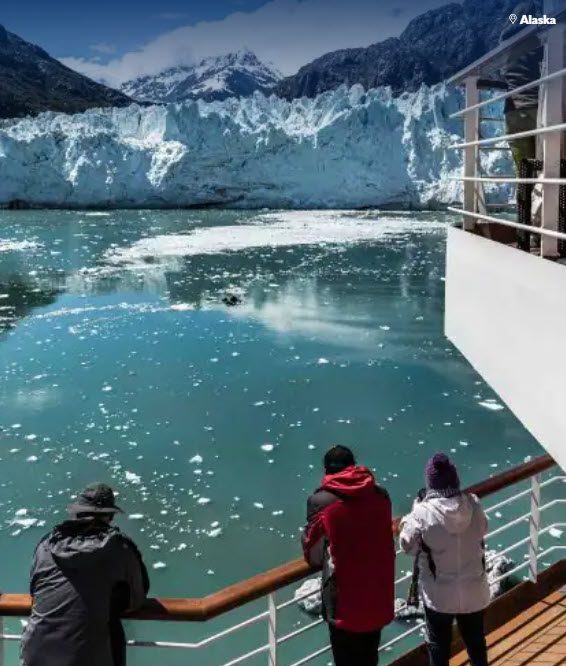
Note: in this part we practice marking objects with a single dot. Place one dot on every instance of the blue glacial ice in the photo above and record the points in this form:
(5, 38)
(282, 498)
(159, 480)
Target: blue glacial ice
(345, 149)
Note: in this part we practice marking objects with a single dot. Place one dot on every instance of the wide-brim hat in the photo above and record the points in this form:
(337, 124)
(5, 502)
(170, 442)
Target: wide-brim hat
(95, 498)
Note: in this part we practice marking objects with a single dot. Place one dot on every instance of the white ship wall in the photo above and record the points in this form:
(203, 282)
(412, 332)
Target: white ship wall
(506, 313)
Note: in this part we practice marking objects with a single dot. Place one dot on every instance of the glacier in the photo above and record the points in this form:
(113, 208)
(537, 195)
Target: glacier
(348, 148)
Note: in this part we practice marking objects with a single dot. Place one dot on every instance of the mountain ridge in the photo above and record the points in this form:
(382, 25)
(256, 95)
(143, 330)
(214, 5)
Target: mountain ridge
(432, 47)
(31, 81)
(237, 74)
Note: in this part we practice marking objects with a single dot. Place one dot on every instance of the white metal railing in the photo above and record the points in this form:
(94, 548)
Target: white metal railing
(550, 129)
(509, 93)
(530, 518)
(509, 223)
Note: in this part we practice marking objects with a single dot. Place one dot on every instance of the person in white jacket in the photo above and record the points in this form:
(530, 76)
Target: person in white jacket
(445, 531)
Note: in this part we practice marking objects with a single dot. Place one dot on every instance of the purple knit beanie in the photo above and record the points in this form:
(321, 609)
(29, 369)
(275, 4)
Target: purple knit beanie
(441, 473)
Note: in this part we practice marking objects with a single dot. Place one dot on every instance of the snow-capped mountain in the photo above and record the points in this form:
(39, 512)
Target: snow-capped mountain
(233, 75)
(344, 149)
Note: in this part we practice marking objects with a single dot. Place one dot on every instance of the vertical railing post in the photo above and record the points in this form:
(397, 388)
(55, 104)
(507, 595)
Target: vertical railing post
(551, 143)
(534, 527)
(471, 133)
(2, 642)
(272, 629)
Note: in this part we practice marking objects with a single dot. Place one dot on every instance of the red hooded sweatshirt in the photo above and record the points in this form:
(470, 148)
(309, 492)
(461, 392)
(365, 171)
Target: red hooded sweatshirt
(349, 533)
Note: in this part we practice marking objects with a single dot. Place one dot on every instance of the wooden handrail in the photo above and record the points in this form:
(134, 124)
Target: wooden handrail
(234, 596)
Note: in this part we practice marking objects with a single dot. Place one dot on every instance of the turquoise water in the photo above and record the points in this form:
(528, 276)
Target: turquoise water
(119, 362)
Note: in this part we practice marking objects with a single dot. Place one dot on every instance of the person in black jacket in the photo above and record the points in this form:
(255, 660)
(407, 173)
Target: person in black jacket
(85, 574)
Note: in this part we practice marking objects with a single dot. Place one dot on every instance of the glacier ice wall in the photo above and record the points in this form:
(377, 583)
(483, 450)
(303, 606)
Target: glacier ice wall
(344, 149)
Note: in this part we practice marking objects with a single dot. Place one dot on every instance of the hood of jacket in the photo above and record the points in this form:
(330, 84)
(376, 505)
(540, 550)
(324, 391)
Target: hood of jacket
(453, 513)
(82, 543)
(354, 481)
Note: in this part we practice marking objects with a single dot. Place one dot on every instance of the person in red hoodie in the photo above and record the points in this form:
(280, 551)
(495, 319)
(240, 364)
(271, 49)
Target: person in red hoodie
(349, 535)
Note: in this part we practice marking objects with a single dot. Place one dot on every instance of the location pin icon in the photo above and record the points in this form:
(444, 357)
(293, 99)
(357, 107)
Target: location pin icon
(513, 18)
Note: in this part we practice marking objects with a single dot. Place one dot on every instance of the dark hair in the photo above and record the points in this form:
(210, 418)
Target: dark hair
(338, 458)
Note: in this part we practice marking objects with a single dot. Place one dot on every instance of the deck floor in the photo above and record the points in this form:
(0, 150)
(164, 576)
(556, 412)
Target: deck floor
(535, 636)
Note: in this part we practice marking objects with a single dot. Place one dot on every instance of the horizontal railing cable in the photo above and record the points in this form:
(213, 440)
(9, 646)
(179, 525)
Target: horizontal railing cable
(509, 223)
(510, 179)
(560, 127)
(509, 93)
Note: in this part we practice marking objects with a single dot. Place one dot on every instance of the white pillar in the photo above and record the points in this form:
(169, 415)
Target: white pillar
(551, 142)
(272, 629)
(534, 527)
(471, 133)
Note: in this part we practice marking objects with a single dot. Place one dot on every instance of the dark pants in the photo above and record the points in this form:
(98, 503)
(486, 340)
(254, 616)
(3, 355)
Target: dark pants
(521, 120)
(354, 649)
(439, 636)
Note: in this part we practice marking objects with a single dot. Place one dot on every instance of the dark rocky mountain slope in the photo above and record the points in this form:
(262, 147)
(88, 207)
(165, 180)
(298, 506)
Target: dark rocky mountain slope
(32, 81)
(434, 45)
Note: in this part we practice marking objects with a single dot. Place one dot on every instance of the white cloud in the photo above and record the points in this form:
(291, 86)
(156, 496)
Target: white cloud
(288, 33)
(103, 47)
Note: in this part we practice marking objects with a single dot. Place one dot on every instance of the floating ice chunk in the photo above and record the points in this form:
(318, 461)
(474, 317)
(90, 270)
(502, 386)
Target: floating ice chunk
(24, 523)
(136, 516)
(210, 572)
(159, 565)
(491, 404)
(258, 505)
(385, 328)
(107, 388)
(323, 361)
(267, 447)
(216, 532)
(259, 403)
(17, 246)
(182, 307)
(132, 478)
(31, 437)
(311, 604)
(196, 460)
(279, 512)
(463, 443)
(203, 500)
(182, 546)
(21, 512)
(32, 459)
(555, 532)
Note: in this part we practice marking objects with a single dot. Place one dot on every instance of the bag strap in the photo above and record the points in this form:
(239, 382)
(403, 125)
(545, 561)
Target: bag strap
(427, 551)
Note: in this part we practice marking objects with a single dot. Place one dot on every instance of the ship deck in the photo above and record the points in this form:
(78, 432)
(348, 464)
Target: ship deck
(525, 627)
(536, 636)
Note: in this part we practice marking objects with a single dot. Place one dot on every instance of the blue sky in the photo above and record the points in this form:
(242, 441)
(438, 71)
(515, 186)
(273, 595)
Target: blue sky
(114, 40)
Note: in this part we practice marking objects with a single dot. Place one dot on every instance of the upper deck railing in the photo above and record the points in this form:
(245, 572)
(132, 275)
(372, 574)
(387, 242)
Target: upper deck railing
(266, 584)
(484, 74)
